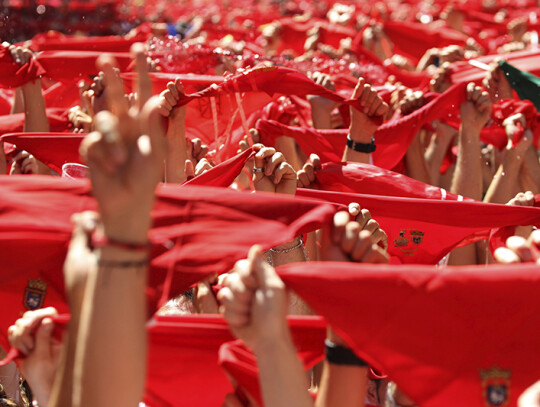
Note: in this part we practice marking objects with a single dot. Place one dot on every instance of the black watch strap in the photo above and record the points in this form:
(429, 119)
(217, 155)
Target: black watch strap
(341, 355)
(361, 147)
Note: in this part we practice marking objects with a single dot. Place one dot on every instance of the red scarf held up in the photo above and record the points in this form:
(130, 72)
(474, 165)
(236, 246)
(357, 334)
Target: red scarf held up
(414, 39)
(526, 60)
(508, 107)
(371, 180)
(187, 354)
(460, 333)
(52, 149)
(14, 123)
(392, 138)
(308, 334)
(196, 231)
(54, 41)
(15, 75)
(423, 231)
(270, 80)
(65, 66)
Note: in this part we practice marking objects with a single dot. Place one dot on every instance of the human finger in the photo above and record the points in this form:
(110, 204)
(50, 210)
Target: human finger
(273, 163)
(115, 90)
(354, 209)
(338, 226)
(144, 84)
(350, 236)
(363, 243)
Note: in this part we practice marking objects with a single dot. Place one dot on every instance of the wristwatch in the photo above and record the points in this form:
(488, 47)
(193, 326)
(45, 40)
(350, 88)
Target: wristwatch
(361, 147)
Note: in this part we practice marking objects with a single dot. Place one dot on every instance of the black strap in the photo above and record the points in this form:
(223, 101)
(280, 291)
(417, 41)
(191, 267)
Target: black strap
(361, 147)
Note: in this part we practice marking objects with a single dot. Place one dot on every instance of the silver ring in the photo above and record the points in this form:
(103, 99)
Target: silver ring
(258, 170)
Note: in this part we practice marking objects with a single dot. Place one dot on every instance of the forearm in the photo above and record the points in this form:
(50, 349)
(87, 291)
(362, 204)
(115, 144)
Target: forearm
(287, 146)
(416, 163)
(467, 179)
(531, 171)
(282, 377)
(506, 180)
(175, 165)
(35, 115)
(434, 156)
(343, 386)
(18, 103)
(321, 118)
(114, 294)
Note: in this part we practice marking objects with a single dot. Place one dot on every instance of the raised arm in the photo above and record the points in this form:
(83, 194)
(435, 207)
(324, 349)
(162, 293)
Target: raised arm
(360, 140)
(125, 156)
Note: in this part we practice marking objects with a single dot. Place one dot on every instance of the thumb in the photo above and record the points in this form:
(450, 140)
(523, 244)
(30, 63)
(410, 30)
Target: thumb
(264, 274)
(43, 339)
(190, 171)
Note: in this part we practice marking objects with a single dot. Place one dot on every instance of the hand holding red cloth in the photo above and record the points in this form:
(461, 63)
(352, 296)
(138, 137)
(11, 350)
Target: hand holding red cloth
(196, 231)
(14, 75)
(459, 335)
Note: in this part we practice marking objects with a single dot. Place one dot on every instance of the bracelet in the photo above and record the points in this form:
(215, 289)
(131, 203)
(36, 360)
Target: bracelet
(272, 251)
(99, 240)
(361, 147)
(287, 250)
(341, 355)
(128, 264)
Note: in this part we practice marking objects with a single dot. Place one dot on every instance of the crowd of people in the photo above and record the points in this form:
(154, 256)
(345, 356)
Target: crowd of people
(273, 203)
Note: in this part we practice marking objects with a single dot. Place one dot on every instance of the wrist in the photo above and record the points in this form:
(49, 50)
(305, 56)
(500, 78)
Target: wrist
(133, 231)
(360, 135)
(273, 345)
(289, 245)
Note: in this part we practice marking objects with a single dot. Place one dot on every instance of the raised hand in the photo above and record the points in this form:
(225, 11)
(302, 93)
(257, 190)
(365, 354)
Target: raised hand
(26, 163)
(476, 110)
(125, 156)
(373, 108)
(520, 250)
(254, 302)
(322, 107)
(272, 173)
(32, 335)
(347, 241)
(363, 217)
(496, 84)
(306, 176)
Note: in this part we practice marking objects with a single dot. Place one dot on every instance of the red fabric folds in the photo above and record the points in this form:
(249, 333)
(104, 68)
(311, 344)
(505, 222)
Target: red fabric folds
(196, 231)
(392, 138)
(308, 334)
(222, 175)
(438, 334)
(52, 149)
(14, 123)
(508, 107)
(65, 66)
(414, 39)
(271, 80)
(527, 60)
(372, 180)
(422, 231)
(15, 75)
